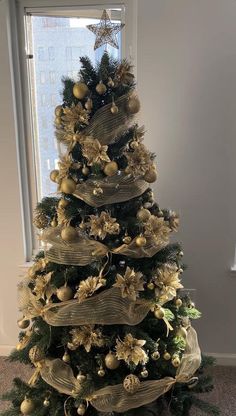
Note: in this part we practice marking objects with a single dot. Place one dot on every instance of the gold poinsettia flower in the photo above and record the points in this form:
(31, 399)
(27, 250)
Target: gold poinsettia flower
(130, 284)
(39, 266)
(123, 74)
(74, 116)
(43, 288)
(86, 336)
(89, 286)
(102, 225)
(130, 350)
(139, 160)
(157, 228)
(94, 152)
(167, 282)
(65, 164)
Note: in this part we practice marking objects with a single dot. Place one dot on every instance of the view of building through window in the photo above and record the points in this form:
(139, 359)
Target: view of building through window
(57, 44)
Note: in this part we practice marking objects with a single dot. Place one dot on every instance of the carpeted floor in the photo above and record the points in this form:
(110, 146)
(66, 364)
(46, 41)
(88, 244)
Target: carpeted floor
(224, 394)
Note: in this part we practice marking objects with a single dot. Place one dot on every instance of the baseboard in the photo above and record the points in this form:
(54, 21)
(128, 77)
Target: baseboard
(5, 350)
(223, 359)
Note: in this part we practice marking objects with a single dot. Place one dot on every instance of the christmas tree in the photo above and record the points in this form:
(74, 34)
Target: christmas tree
(104, 323)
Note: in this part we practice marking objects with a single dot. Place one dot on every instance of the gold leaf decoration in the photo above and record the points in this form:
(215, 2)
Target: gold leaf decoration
(86, 336)
(157, 228)
(123, 74)
(39, 266)
(130, 350)
(74, 116)
(102, 225)
(167, 282)
(139, 160)
(89, 286)
(130, 284)
(94, 152)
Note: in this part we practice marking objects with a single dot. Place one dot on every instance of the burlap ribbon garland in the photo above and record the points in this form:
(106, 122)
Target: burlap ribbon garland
(115, 398)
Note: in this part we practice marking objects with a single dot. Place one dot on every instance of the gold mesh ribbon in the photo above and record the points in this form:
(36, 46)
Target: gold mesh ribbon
(116, 189)
(151, 247)
(115, 398)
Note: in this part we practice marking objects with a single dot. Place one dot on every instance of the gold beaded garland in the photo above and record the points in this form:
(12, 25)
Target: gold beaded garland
(111, 361)
(111, 168)
(64, 293)
(101, 88)
(68, 186)
(69, 234)
(80, 90)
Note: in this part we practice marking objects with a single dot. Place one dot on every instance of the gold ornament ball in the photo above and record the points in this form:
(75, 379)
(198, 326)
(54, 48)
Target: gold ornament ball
(98, 191)
(101, 88)
(81, 377)
(181, 253)
(54, 223)
(182, 332)
(110, 82)
(46, 403)
(23, 323)
(175, 361)
(68, 186)
(69, 234)
(111, 168)
(85, 171)
(143, 214)
(81, 409)
(133, 105)
(57, 121)
(58, 110)
(144, 373)
(178, 302)
(127, 239)
(131, 383)
(140, 241)
(63, 203)
(80, 90)
(151, 285)
(150, 176)
(89, 104)
(54, 175)
(159, 313)
(36, 354)
(18, 347)
(111, 361)
(27, 407)
(101, 372)
(167, 356)
(66, 357)
(155, 355)
(64, 293)
(114, 109)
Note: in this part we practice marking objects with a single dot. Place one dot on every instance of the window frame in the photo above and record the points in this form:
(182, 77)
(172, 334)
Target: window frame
(27, 164)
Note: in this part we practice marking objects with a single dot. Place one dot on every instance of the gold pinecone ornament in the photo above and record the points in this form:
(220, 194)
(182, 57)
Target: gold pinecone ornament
(40, 220)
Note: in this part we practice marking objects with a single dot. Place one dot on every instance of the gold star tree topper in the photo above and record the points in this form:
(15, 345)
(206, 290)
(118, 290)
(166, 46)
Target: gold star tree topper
(106, 31)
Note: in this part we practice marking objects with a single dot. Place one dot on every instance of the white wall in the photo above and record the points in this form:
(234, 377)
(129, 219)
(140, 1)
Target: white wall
(187, 84)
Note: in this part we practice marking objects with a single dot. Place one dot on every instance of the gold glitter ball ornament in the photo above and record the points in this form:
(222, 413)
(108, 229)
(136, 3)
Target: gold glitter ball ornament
(167, 356)
(85, 171)
(46, 402)
(58, 110)
(36, 354)
(68, 186)
(54, 175)
(178, 302)
(114, 109)
(155, 355)
(150, 176)
(81, 409)
(133, 105)
(175, 361)
(131, 383)
(111, 361)
(106, 31)
(54, 223)
(27, 406)
(101, 88)
(151, 286)
(143, 214)
(127, 239)
(101, 372)
(140, 241)
(111, 168)
(66, 357)
(69, 234)
(80, 90)
(182, 332)
(64, 293)
(63, 203)
(23, 323)
(144, 373)
(89, 104)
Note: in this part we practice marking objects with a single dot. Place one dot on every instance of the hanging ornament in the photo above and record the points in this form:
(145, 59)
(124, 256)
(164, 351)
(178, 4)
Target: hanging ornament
(54, 175)
(150, 285)
(182, 332)
(66, 357)
(89, 104)
(68, 186)
(178, 302)
(80, 90)
(27, 406)
(181, 253)
(81, 409)
(58, 110)
(159, 313)
(133, 105)
(127, 239)
(140, 241)
(81, 377)
(106, 31)
(144, 373)
(101, 372)
(23, 323)
(46, 402)
(64, 293)
(69, 234)
(36, 354)
(151, 175)
(114, 108)
(97, 191)
(155, 355)
(131, 383)
(63, 203)
(143, 214)
(167, 356)
(175, 361)
(111, 168)
(101, 88)
(54, 223)
(110, 82)
(85, 170)
(111, 361)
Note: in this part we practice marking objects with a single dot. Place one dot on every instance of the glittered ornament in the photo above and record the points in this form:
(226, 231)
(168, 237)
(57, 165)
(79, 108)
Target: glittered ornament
(159, 313)
(81, 377)
(23, 323)
(46, 402)
(181, 332)
(63, 203)
(150, 176)
(68, 186)
(64, 293)
(155, 355)
(27, 406)
(66, 357)
(85, 170)
(101, 88)
(140, 241)
(150, 285)
(175, 361)
(40, 219)
(54, 223)
(144, 373)
(69, 234)
(178, 302)
(133, 105)
(81, 409)
(111, 168)
(167, 356)
(114, 109)
(101, 372)
(111, 361)
(58, 110)
(54, 175)
(127, 239)
(110, 82)
(131, 383)
(36, 354)
(89, 104)
(143, 214)
(80, 90)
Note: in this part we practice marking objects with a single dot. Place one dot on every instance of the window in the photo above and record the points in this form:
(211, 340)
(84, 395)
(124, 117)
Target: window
(52, 77)
(42, 77)
(41, 53)
(51, 53)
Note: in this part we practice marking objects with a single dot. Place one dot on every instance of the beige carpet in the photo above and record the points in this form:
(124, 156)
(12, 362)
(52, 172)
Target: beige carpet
(224, 394)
